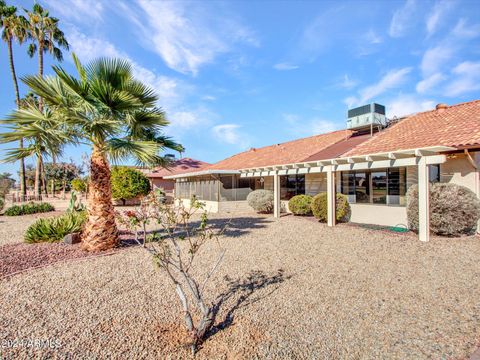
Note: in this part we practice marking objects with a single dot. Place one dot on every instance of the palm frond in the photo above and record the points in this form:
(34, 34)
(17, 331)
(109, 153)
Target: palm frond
(143, 152)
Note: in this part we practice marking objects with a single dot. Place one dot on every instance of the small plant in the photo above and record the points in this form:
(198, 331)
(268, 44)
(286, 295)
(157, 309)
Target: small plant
(30, 208)
(56, 228)
(320, 207)
(300, 205)
(454, 209)
(75, 204)
(261, 201)
(128, 183)
(79, 185)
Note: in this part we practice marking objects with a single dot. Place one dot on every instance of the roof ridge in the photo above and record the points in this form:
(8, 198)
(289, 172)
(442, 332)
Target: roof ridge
(435, 109)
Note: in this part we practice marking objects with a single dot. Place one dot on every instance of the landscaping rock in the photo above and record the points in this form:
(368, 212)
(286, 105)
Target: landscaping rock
(73, 238)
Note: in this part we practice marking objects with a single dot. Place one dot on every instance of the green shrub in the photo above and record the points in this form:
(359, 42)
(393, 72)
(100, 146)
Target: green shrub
(128, 183)
(454, 209)
(54, 229)
(300, 205)
(30, 208)
(320, 208)
(261, 201)
(79, 185)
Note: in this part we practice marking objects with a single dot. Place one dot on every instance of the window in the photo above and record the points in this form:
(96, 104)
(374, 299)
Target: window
(291, 185)
(434, 173)
(382, 186)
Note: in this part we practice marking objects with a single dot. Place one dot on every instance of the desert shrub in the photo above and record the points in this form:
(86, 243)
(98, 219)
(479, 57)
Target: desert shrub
(320, 207)
(54, 229)
(79, 185)
(128, 183)
(30, 208)
(261, 201)
(300, 205)
(454, 209)
(2, 203)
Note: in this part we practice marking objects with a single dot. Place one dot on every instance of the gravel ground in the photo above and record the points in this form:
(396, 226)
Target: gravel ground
(292, 288)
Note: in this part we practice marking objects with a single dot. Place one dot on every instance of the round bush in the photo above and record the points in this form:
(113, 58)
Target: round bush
(454, 209)
(300, 205)
(261, 201)
(128, 183)
(79, 185)
(320, 207)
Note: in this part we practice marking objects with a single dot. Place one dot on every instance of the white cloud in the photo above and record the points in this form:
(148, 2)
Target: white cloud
(347, 83)
(428, 83)
(285, 66)
(307, 127)
(439, 10)
(402, 19)
(373, 38)
(230, 134)
(79, 10)
(467, 79)
(390, 80)
(186, 36)
(407, 104)
(434, 58)
(462, 30)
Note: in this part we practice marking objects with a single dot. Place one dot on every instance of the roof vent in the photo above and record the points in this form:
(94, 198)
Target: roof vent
(441, 106)
(253, 149)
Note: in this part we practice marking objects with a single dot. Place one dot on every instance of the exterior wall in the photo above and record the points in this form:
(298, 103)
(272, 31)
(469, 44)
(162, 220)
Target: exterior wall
(167, 185)
(210, 206)
(460, 171)
(378, 214)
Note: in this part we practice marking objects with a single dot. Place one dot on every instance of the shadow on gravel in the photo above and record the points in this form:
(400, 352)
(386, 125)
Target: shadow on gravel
(235, 227)
(241, 291)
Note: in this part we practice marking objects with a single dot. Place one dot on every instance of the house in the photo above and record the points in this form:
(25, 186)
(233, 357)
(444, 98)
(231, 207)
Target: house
(178, 167)
(374, 161)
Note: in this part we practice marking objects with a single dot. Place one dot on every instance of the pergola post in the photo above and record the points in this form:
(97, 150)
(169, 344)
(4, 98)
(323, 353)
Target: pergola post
(423, 200)
(276, 195)
(331, 194)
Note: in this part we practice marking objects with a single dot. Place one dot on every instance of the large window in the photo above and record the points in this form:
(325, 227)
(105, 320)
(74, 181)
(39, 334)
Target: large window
(291, 185)
(382, 186)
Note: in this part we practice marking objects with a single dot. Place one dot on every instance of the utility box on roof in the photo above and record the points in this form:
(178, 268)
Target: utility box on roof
(366, 116)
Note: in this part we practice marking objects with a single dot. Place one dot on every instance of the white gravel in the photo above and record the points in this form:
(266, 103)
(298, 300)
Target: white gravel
(308, 291)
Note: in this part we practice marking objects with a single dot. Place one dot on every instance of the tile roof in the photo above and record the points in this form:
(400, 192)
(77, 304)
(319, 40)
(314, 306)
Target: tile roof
(283, 153)
(457, 126)
(339, 148)
(180, 166)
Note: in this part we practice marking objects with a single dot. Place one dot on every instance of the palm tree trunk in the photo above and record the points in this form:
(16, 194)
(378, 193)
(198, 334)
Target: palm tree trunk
(21, 173)
(40, 70)
(100, 231)
(38, 169)
(44, 180)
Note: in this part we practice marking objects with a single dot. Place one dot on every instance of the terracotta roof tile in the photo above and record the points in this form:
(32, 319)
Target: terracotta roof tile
(283, 153)
(180, 166)
(457, 126)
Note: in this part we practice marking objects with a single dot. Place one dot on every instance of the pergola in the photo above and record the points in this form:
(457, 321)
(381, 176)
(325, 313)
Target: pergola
(420, 157)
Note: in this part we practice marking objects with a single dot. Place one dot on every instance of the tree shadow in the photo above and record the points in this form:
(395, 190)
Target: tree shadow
(233, 227)
(243, 290)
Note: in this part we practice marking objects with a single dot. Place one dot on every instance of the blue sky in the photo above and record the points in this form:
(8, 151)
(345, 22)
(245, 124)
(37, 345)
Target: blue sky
(235, 75)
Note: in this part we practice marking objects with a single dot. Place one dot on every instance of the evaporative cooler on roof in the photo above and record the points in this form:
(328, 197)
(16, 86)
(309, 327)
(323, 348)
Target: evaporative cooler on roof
(366, 116)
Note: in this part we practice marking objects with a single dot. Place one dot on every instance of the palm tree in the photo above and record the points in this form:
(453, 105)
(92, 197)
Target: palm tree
(14, 28)
(118, 117)
(45, 34)
(42, 132)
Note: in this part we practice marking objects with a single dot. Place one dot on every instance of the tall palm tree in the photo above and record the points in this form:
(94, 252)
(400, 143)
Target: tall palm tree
(117, 115)
(43, 134)
(45, 34)
(14, 29)
(46, 38)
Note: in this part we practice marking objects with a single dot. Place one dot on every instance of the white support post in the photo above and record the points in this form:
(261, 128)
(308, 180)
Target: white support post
(423, 200)
(331, 195)
(276, 195)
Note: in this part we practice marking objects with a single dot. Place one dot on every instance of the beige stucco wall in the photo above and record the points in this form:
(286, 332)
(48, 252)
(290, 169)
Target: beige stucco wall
(378, 214)
(460, 171)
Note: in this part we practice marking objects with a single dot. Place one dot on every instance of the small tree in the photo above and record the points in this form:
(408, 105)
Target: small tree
(6, 183)
(79, 185)
(174, 249)
(128, 183)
